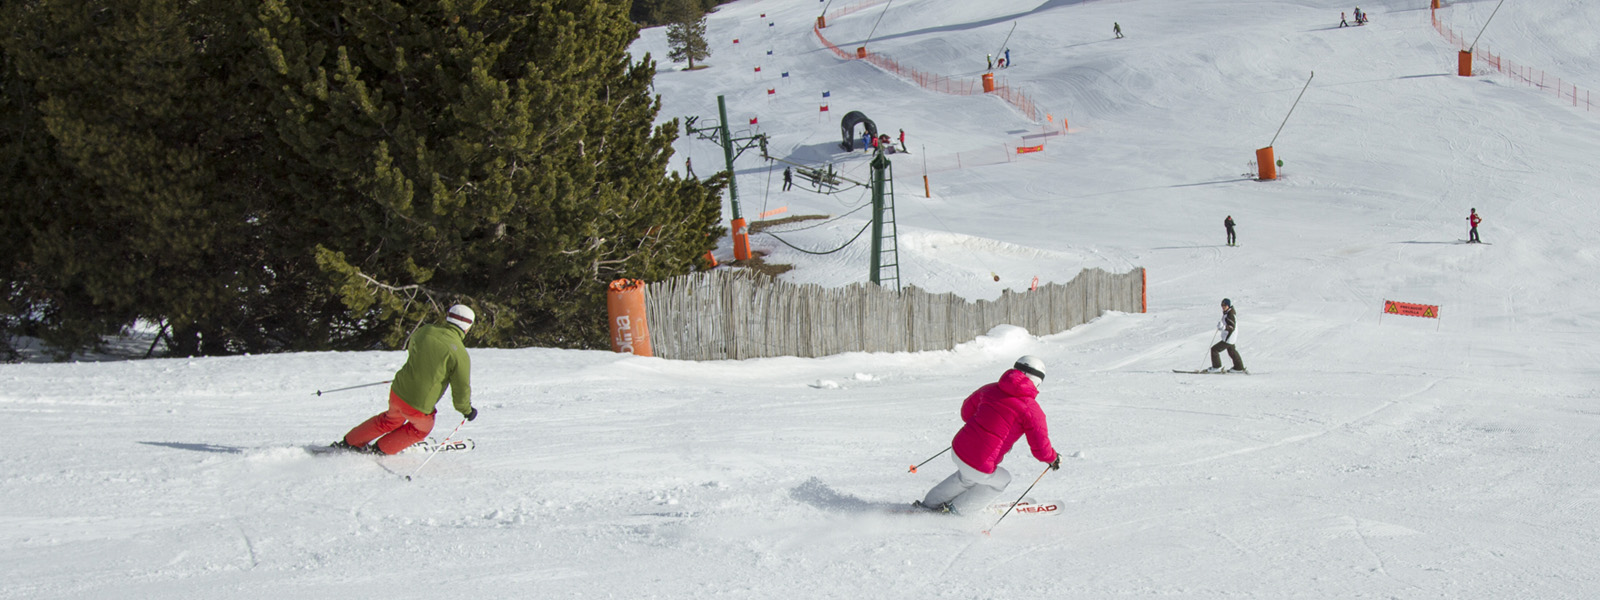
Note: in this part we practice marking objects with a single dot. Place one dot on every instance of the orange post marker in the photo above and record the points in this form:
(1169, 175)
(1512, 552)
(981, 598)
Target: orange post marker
(625, 307)
(1266, 168)
(1464, 64)
(821, 21)
(988, 82)
(741, 240)
(861, 52)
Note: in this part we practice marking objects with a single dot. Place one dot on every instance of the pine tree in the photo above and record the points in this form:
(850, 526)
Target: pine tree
(131, 199)
(686, 34)
(500, 154)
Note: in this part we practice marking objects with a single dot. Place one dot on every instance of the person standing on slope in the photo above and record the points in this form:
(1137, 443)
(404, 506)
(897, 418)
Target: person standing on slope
(1228, 224)
(435, 358)
(903, 141)
(995, 416)
(1472, 234)
(788, 178)
(1230, 337)
(1116, 30)
(1342, 22)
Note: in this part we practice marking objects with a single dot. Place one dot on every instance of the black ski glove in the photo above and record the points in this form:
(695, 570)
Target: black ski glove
(1056, 464)
(472, 415)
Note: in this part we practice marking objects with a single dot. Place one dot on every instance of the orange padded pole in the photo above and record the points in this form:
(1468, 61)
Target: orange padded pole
(741, 240)
(1266, 167)
(625, 307)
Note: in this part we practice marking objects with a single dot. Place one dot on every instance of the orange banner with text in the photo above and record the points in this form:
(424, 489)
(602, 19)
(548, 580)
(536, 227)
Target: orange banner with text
(1027, 149)
(1407, 309)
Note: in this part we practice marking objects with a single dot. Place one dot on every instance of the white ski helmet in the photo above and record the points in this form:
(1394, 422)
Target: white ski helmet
(460, 316)
(1033, 367)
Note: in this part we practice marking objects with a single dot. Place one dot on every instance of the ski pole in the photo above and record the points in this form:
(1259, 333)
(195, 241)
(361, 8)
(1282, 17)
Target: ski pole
(321, 392)
(914, 469)
(1019, 499)
(439, 447)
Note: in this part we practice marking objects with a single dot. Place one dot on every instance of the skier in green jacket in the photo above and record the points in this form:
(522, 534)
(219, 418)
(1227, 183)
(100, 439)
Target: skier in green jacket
(435, 358)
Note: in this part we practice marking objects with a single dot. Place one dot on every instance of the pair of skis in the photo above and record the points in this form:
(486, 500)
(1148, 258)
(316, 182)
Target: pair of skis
(1209, 372)
(423, 447)
(1028, 506)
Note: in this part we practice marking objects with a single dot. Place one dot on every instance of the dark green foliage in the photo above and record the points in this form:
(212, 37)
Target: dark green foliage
(297, 175)
(661, 12)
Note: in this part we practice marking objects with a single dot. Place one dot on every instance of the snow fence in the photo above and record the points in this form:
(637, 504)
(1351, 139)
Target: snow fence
(728, 314)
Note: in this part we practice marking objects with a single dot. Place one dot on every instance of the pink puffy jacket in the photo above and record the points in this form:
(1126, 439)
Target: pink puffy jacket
(995, 416)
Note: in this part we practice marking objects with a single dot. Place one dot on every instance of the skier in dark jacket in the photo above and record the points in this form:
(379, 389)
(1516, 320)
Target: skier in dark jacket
(1228, 224)
(1230, 337)
(788, 178)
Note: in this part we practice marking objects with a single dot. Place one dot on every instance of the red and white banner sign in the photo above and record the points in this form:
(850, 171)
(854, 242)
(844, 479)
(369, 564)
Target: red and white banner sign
(1407, 309)
(1027, 149)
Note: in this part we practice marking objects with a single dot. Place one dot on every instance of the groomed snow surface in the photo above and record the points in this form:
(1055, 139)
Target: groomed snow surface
(1364, 458)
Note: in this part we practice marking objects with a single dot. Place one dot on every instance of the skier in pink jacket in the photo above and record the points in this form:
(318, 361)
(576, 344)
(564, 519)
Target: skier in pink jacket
(996, 416)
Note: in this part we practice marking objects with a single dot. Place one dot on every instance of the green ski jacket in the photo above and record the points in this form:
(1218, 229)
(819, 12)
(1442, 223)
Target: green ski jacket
(435, 358)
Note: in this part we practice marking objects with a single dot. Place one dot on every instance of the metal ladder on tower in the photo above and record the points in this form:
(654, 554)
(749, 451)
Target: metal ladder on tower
(888, 245)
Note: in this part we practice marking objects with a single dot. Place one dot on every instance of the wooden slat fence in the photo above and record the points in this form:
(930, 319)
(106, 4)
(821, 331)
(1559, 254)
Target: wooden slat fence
(727, 314)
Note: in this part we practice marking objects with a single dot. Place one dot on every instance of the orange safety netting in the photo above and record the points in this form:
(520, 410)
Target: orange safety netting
(937, 83)
(1525, 74)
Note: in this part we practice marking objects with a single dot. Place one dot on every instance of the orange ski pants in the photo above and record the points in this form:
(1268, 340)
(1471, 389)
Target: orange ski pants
(395, 429)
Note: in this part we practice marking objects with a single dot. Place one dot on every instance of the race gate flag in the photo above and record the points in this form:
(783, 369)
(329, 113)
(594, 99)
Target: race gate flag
(1407, 309)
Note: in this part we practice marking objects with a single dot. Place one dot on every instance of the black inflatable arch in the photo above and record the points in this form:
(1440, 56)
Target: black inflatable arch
(847, 127)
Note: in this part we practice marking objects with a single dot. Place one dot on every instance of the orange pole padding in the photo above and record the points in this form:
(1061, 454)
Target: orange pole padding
(625, 306)
(1144, 290)
(1435, 7)
(822, 21)
(861, 52)
(927, 192)
(988, 82)
(711, 258)
(1464, 64)
(741, 240)
(1266, 167)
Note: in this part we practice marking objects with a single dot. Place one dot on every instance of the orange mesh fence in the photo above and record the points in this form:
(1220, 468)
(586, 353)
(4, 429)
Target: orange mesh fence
(1565, 91)
(930, 81)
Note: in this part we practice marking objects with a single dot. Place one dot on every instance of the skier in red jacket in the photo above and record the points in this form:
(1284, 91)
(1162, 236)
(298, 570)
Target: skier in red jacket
(1472, 234)
(995, 416)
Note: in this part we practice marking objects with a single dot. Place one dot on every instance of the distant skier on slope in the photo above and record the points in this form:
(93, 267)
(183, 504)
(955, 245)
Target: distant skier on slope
(1228, 224)
(1472, 234)
(1116, 29)
(1230, 337)
(788, 178)
(1342, 22)
(435, 358)
(994, 417)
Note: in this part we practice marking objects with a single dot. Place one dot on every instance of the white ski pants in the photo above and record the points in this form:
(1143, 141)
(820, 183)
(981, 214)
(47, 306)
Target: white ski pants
(968, 489)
